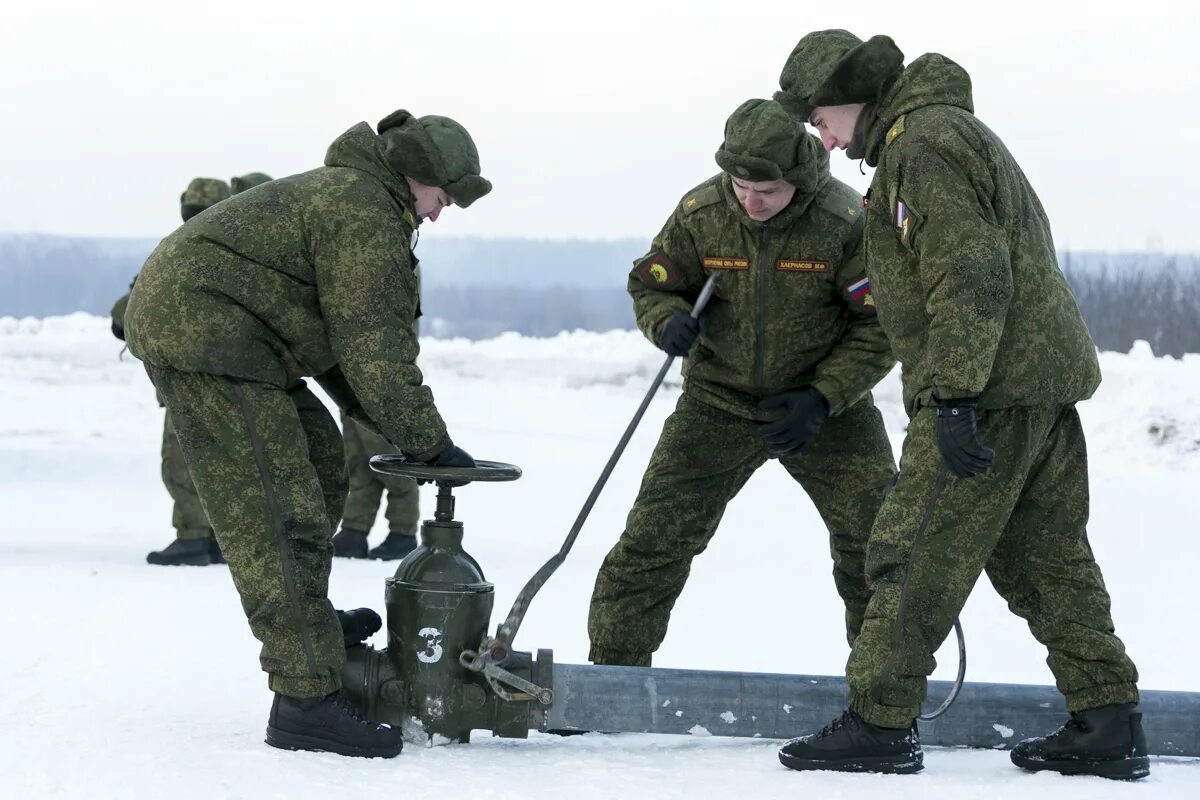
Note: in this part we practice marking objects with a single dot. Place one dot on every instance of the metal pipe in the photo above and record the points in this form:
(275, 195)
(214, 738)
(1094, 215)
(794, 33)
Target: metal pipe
(773, 706)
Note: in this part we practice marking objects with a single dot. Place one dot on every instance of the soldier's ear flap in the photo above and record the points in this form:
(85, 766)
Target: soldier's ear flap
(393, 120)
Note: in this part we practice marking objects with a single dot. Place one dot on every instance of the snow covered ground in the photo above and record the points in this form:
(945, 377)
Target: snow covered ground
(125, 680)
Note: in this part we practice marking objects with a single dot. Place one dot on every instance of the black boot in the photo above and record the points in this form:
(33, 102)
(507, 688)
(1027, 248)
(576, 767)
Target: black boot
(1106, 741)
(396, 545)
(328, 724)
(182, 552)
(350, 543)
(358, 624)
(851, 744)
(214, 551)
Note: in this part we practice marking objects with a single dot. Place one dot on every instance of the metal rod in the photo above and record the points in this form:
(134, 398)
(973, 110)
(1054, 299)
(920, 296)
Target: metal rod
(507, 630)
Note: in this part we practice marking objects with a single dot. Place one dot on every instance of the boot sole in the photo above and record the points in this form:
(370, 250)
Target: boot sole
(1125, 769)
(884, 765)
(191, 561)
(350, 555)
(296, 741)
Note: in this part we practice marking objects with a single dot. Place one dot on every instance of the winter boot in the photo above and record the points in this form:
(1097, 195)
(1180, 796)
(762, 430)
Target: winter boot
(396, 545)
(851, 744)
(182, 552)
(358, 624)
(328, 724)
(214, 551)
(1106, 741)
(350, 543)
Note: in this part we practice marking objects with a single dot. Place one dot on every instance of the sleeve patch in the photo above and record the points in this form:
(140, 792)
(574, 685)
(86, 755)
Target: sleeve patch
(657, 272)
(859, 293)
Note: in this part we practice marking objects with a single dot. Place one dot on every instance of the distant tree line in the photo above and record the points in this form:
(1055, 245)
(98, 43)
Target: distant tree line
(1120, 305)
(482, 313)
(478, 288)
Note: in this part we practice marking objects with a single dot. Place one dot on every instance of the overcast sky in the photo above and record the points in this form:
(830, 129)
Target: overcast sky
(590, 123)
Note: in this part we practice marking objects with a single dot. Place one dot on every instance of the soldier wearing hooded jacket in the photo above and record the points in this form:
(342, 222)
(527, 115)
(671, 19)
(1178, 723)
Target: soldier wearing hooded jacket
(780, 365)
(305, 276)
(993, 475)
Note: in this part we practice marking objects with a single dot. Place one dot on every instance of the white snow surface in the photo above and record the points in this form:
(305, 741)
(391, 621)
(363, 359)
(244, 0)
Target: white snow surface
(125, 680)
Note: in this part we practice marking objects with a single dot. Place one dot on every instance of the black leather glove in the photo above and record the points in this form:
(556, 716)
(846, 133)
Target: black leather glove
(452, 456)
(678, 334)
(358, 625)
(805, 412)
(956, 438)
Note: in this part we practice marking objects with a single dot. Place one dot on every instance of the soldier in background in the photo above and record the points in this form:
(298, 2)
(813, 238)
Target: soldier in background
(194, 543)
(780, 367)
(367, 486)
(993, 476)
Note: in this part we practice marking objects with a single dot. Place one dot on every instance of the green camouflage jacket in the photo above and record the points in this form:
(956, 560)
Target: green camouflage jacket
(310, 275)
(792, 307)
(961, 258)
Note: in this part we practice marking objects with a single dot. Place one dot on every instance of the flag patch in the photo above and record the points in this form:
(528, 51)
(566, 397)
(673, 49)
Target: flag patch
(902, 220)
(860, 292)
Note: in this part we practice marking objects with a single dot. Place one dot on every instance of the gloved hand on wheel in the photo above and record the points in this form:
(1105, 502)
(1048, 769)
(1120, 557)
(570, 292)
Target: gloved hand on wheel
(452, 456)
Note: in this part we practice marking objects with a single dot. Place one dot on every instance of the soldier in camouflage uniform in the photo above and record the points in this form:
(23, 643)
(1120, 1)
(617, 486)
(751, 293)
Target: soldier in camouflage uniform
(367, 486)
(781, 366)
(993, 473)
(194, 544)
(309, 275)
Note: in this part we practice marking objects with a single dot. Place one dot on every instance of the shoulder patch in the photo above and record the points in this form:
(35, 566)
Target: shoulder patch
(842, 201)
(657, 271)
(704, 196)
(896, 131)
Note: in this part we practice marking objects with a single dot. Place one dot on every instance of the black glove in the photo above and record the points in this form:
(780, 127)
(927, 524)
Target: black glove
(358, 624)
(452, 456)
(954, 432)
(806, 411)
(678, 334)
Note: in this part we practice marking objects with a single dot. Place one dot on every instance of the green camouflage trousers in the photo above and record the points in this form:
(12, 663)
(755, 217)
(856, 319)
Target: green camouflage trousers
(703, 459)
(1024, 522)
(403, 510)
(188, 515)
(269, 468)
